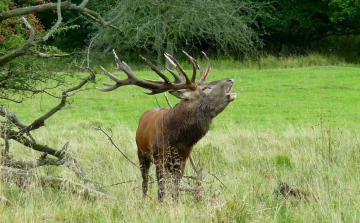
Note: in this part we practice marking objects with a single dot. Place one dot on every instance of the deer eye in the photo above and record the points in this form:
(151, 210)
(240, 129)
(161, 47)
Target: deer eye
(205, 88)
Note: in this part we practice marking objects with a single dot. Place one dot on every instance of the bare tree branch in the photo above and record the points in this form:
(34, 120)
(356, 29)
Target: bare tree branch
(44, 55)
(57, 24)
(12, 117)
(65, 5)
(27, 165)
(14, 135)
(41, 121)
(92, 72)
(32, 31)
(7, 133)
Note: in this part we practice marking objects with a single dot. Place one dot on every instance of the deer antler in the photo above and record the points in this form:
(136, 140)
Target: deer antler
(181, 81)
(196, 65)
(205, 75)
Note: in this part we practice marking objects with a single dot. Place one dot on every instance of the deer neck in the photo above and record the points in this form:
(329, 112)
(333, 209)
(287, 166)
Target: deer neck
(190, 123)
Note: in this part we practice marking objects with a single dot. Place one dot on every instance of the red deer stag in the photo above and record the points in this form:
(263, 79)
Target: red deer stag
(166, 136)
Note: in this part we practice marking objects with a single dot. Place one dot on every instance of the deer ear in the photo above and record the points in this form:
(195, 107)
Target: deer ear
(181, 94)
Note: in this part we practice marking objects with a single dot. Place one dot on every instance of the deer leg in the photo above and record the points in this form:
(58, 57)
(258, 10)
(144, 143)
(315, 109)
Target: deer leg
(144, 168)
(177, 175)
(160, 176)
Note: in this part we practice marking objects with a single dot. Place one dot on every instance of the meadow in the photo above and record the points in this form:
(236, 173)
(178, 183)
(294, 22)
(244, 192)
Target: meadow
(299, 126)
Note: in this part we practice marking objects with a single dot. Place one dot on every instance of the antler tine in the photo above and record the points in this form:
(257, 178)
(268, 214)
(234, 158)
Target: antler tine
(200, 68)
(157, 71)
(178, 80)
(110, 87)
(193, 78)
(114, 78)
(110, 75)
(123, 66)
(207, 71)
(178, 68)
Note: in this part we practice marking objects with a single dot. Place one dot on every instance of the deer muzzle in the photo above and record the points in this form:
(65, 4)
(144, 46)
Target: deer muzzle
(230, 96)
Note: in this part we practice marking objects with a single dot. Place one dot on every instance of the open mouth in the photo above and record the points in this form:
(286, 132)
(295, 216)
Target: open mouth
(230, 96)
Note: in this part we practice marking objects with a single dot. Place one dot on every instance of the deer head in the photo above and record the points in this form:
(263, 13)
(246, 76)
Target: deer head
(166, 136)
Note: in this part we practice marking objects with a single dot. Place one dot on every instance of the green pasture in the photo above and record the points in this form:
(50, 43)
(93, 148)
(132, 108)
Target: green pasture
(299, 126)
(266, 99)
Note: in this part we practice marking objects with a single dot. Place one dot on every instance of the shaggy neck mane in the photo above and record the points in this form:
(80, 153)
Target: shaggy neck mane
(188, 124)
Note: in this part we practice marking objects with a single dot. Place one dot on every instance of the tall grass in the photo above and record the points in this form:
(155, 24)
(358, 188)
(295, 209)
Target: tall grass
(298, 126)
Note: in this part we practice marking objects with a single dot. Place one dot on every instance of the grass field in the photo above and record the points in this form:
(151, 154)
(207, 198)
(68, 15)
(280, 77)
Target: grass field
(299, 126)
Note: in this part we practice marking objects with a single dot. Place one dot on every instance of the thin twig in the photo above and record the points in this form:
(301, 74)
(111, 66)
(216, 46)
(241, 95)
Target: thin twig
(193, 164)
(114, 184)
(112, 142)
(220, 181)
(88, 51)
(167, 100)
(157, 101)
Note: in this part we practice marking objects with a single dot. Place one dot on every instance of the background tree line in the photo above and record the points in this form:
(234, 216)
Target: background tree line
(231, 27)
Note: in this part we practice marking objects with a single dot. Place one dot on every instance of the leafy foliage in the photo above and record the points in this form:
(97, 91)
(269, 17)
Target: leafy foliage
(300, 22)
(12, 31)
(25, 68)
(158, 26)
(21, 76)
